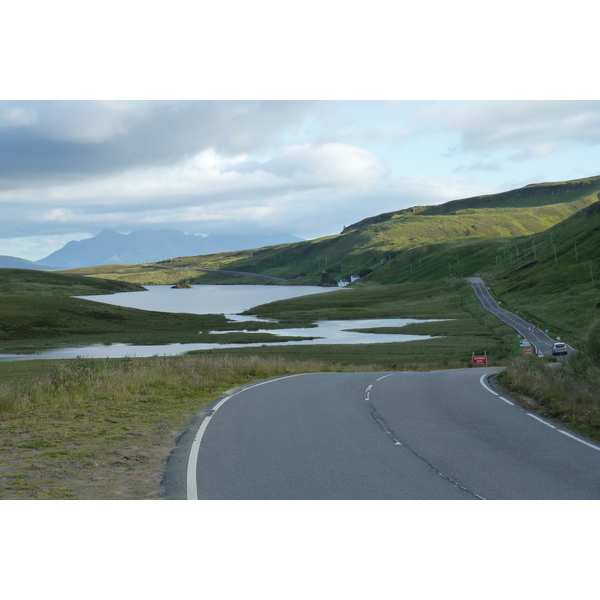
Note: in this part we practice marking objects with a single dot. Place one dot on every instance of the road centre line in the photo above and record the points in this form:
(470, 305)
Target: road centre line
(192, 484)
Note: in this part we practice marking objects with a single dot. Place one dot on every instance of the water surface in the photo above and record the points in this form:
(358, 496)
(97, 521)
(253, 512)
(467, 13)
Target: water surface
(227, 300)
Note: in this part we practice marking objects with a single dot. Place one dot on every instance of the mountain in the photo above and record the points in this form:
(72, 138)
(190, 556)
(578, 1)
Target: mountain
(111, 247)
(12, 262)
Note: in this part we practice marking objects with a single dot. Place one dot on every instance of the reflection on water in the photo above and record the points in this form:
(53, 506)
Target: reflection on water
(207, 299)
(227, 300)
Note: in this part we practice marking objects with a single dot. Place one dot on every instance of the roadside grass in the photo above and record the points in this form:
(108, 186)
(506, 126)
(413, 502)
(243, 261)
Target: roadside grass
(567, 392)
(104, 428)
(423, 355)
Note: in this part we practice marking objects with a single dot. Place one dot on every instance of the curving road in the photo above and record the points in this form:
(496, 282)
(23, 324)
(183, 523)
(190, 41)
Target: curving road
(408, 435)
(538, 339)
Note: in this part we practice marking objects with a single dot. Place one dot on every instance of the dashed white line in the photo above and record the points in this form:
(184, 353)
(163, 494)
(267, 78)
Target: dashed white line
(565, 432)
(388, 375)
(577, 439)
(541, 421)
(507, 401)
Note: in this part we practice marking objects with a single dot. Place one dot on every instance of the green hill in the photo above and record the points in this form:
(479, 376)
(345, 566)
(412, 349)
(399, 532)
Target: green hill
(366, 248)
(29, 281)
(530, 244)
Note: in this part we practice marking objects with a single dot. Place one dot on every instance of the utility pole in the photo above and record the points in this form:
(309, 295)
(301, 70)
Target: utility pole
(591, 273)
(575, 244)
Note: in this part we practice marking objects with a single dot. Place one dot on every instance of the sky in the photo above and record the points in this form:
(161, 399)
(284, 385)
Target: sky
(69, 169)
(215, 127)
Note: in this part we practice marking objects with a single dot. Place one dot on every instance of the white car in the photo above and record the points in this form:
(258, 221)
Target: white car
(559, 348)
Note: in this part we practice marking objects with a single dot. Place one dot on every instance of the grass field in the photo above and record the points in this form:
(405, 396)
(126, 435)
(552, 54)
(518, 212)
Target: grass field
(103, 428)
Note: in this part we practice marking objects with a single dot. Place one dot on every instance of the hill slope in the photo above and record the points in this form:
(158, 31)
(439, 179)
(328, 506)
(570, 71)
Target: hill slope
(367, 248)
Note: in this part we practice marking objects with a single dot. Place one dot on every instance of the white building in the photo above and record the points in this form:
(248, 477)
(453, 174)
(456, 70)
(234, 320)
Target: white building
(345, 282)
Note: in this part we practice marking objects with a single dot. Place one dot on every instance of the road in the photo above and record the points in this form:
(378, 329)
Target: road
(409, 435)
(538, 339)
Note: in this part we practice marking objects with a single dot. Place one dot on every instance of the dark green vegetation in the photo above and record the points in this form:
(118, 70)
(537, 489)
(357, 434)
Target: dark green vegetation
(16, 282)
(37, 311)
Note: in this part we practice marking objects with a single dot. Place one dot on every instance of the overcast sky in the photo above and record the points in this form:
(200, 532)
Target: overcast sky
(68, 169)
(71, 166)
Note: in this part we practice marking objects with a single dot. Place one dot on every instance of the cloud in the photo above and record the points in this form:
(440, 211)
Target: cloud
(331, 164)
(73, 140)
(531, 129)
(17, 116)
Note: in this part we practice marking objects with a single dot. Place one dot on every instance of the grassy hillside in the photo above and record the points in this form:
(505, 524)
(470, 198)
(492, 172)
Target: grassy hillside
(28, 281)
(365, 248)
(535, 246)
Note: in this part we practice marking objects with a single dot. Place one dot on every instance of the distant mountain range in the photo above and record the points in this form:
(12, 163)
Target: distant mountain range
(111, 247)
(12, 262)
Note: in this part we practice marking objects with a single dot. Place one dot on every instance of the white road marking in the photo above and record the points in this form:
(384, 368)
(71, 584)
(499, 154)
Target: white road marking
(541, 420)
(368, 392)
(507, 401)
(578, 440)
(389, 375)
(192, 484)
(485, 386)
(565, 433)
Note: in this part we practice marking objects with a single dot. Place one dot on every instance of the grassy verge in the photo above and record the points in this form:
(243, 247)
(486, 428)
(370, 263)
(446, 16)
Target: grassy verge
(103, 429)
(567, 392)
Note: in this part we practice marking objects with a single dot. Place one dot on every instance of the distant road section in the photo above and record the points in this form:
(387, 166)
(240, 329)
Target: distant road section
(538, 339)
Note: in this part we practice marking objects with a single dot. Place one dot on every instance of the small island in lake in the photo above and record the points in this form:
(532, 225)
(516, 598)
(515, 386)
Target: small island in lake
(182, 285)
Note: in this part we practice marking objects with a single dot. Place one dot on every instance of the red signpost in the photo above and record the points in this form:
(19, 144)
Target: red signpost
(479, 360)
(526, 350)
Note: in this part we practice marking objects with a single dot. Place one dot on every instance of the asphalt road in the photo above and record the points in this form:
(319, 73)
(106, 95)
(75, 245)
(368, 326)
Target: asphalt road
(538, 339)
(410, 435)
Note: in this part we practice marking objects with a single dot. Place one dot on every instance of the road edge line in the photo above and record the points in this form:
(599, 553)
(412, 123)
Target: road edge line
(191, 481)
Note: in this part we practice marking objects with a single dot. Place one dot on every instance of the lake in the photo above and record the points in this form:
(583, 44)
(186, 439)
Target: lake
(228, 300)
